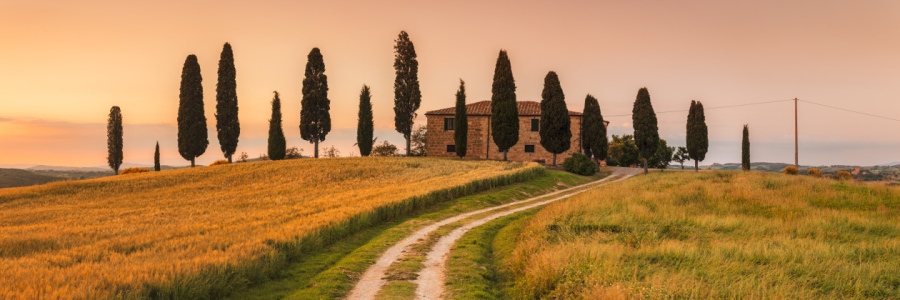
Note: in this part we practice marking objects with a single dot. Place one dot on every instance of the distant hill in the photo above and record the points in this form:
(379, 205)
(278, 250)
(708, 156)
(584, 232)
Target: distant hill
(18, 177)
(890, 164)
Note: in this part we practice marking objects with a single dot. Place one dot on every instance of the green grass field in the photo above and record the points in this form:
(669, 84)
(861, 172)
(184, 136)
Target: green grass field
(725, 234)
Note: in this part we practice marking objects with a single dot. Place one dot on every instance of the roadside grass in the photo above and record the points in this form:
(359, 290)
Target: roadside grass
(341, 271)
(709, 235)
(202, 233)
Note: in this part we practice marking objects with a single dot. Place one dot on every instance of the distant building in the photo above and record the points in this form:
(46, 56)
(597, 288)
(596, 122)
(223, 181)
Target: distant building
(440, 138)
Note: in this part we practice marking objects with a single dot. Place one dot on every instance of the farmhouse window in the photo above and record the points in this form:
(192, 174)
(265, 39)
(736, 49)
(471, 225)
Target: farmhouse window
(451, 148)
(529, 148)
(448, 124)
(535, 126)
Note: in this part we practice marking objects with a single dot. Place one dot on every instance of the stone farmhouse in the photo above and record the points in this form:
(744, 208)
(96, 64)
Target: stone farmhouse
(440, 142)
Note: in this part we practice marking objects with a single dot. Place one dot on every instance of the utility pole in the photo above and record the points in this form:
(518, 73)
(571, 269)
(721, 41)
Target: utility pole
(796, 143)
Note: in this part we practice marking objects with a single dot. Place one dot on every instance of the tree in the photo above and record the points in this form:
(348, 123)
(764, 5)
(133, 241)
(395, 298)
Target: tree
(315, 118)
(461, 122)
(114, 139)
(192, 136)
(663, 155)
(277, 143)
(593, 131)
(681, 156)
(504, 110)
(156, 166)
(407, 96)
(745, 150)
(622, 151)
(366, 126)
(331, 152)
(385, 149)
(418, 141)
(227, 124)
(646, 133)
(697, 140)
(556, 126)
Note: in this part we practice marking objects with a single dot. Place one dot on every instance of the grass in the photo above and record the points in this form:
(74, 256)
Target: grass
(724, 234)
(204, 232)
(335, 276)
(17, 178)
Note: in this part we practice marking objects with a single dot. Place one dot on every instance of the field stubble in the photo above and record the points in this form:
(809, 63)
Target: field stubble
(199, 233)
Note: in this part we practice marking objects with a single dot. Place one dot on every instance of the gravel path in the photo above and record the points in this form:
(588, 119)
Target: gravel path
(431, 280)
(373, 279)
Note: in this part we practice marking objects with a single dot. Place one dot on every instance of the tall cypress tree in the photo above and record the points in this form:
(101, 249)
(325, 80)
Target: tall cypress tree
(504, 110)
(366, 126)
(745, 150)
(156, 165)
(593, 131)
(407, 96)
(227, 125)
(192, 136)
(114, 139)
(461, 123)
(697, 140)
(277, 143)
(556, 126)
(646, 132)
(315, 118)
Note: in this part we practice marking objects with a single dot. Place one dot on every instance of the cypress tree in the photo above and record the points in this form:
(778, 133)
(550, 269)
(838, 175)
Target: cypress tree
(365, 129)
(461, 123)
(556, 126)
(114, 139)
(156, 165)
(315, 118)
(504, 110)
(745, 150)
(697, 140)
(407, 96)
(192, 136)
(277, 143)
(646, 132)
(227, 124)
(593, 131)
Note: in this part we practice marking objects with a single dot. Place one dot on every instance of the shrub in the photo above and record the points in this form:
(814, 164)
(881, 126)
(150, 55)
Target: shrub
(814, 172)
(791, 170)
(134, 170)
(219, 162)
(843, 175)
(580, 164)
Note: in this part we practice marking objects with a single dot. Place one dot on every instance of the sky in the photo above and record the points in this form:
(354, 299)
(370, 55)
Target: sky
(63, 64)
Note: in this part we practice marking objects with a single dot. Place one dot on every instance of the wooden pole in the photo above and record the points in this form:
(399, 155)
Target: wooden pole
(796, 140)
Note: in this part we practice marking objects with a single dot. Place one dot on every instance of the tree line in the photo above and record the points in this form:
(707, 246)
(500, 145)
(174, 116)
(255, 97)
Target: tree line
(315, 118)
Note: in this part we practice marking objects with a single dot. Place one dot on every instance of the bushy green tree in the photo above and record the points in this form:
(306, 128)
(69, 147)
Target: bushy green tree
(156, 165)
(697, 139)
(315, 115)
(461, 123)
(227, 124)
(277, 142)
(745, 150)
(504, 110)
(556, 126)
(407, 96)
(646, 132)
(663, 155)
(114, 154)
(623, 151)
(593, 131)
(681, 156)
(365, 128)
(192, 135)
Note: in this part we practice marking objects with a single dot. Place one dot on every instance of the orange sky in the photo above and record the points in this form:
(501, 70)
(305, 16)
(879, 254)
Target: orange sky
(64, 63)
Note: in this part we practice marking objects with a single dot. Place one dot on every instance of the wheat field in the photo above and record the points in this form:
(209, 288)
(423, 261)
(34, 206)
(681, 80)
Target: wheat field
(722, 235)
(170, 234)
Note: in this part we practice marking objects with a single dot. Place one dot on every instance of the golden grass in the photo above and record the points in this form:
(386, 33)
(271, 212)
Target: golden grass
(163, 234)
(747, 235)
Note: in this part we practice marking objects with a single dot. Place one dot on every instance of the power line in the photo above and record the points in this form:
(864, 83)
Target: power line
(716, 107)
(853, 111)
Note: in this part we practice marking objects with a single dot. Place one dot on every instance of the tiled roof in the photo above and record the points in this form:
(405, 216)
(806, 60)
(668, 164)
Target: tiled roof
(483, 108)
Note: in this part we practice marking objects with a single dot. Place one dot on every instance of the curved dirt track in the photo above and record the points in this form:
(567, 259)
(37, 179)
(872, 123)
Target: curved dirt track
(373, 279)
